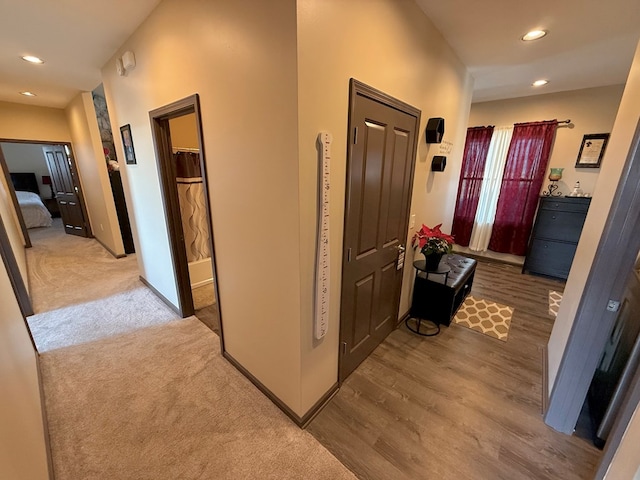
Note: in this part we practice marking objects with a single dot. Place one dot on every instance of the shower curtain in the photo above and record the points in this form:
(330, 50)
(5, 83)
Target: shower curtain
(192, 206)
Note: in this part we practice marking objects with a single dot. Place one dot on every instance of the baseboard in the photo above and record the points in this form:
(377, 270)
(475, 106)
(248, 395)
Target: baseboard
(403, 318)
(545, 379)
(303, 421)
(122, 255)
(45, 420)
(160, 296)
(202, 283)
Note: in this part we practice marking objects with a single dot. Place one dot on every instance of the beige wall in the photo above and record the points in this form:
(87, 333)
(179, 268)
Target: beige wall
(240, 57)
(626, 462)
(25, 122)
(392, 46)
(23, 452)
(612, 164)
(591, 110)
(262, 186)
(184, 131)
(92, 170)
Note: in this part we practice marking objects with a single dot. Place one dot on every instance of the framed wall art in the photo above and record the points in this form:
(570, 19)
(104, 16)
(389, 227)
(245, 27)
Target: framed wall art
(127, 143)
(592, 150)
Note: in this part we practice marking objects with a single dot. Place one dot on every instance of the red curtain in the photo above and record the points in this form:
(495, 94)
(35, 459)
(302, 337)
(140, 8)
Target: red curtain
(521, 183)
(473, 161)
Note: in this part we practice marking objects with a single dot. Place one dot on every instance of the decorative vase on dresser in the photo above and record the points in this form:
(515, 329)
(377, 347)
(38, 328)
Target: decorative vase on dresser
(555, 235)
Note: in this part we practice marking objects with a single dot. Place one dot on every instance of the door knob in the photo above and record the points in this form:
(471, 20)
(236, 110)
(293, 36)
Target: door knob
(401, 248)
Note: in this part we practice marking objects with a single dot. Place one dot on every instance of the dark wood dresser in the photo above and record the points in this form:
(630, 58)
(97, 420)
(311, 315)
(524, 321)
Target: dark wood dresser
(555, 235)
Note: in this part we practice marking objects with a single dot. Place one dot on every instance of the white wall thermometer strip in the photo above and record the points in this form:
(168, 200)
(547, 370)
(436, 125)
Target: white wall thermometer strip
(322, 262)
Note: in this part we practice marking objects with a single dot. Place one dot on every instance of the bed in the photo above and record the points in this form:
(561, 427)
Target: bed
(34, 213)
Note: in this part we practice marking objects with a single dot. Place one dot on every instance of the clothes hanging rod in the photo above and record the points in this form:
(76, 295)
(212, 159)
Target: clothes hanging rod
(191, 150)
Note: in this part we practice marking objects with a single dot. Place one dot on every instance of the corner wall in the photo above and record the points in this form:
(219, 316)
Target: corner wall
(23, 451)
(612, 164)
(87, 147)
(391, 46)
(240, 57)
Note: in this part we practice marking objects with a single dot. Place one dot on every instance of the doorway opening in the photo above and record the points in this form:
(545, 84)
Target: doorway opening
(43, 183)
(177, 133)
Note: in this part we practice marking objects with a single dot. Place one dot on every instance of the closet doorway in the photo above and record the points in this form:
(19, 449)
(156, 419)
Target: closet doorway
(177, 134)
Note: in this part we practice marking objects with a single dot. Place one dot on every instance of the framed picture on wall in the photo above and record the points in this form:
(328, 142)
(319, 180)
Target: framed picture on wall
(127, 142)
(592, 150)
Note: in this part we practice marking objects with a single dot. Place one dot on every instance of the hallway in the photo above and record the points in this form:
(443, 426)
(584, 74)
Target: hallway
(133, 391)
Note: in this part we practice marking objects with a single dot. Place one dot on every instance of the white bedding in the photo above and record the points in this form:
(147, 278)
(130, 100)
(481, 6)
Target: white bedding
(34, 212)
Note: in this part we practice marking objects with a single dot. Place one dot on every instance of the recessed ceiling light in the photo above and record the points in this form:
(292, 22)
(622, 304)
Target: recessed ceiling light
(28, 94)
(534, 35)
(32, 59)
(539, 83)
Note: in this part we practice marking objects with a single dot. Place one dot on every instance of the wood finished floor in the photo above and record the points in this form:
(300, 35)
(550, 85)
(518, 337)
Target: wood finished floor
(460, 405)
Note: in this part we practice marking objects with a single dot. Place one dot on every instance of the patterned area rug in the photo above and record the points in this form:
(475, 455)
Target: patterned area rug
(554, 302)
(489, 318)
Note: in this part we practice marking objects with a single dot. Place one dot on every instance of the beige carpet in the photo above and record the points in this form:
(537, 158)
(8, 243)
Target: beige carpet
(133, 392)
(489, 318)
(554, 302)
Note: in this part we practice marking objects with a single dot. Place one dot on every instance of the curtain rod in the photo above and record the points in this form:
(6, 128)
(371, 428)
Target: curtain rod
(565, 121)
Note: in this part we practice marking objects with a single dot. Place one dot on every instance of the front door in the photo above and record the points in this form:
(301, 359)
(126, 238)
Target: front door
(382, 151)
(67, 190)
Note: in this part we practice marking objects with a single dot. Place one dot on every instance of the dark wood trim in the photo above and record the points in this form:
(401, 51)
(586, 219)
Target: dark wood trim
(303, 421)
(593, 323)
(45, 418)
(17, 282)
(113, 254)
(75, 173)
(159, 295)
(545, 378)
(14, 199)
(358, 88)
(159, 119)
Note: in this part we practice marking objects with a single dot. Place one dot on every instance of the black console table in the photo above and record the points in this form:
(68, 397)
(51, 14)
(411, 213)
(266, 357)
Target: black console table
(438, 294)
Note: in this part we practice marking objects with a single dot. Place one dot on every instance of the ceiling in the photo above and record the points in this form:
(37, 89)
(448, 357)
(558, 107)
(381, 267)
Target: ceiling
(590, 43)
(74, 37)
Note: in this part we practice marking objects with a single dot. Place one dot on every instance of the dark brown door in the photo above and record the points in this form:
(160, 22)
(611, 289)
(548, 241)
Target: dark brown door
(67, 190)
(379, 179)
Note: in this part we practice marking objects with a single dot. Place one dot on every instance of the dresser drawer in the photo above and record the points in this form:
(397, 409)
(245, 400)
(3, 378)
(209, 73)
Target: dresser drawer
(551, 258)
(565, 204)
(557, 225)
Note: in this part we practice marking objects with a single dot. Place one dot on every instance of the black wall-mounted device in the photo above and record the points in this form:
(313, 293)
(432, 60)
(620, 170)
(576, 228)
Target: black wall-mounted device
(435, 130)
(438, 163)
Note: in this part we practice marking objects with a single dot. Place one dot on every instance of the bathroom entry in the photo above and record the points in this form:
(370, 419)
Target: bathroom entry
(193, 213)
(177, 133)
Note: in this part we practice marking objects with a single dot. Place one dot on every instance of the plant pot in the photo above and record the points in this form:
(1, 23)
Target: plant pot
(432, 261)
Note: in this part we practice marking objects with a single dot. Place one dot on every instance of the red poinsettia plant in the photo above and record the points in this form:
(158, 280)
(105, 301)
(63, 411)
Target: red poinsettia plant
(432, 240)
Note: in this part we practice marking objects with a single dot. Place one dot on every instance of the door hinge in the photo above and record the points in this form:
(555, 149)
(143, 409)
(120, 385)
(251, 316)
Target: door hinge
(344, 348)
(355, 136)
(348, 255)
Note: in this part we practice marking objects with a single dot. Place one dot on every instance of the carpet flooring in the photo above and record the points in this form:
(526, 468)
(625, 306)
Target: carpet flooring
(134, 392)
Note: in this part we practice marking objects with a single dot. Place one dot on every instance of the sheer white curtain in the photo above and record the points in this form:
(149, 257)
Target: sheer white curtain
(490, 191)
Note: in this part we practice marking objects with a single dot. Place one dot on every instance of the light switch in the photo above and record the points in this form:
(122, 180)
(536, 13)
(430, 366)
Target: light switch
(412, 222)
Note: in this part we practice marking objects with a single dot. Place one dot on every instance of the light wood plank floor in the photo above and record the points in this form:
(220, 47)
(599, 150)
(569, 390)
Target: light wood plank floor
(460, 405)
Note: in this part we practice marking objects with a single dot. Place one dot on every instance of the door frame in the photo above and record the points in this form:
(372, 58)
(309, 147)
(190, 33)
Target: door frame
(358, 88)
(159, 119)
(593, 322)
(12, 191)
